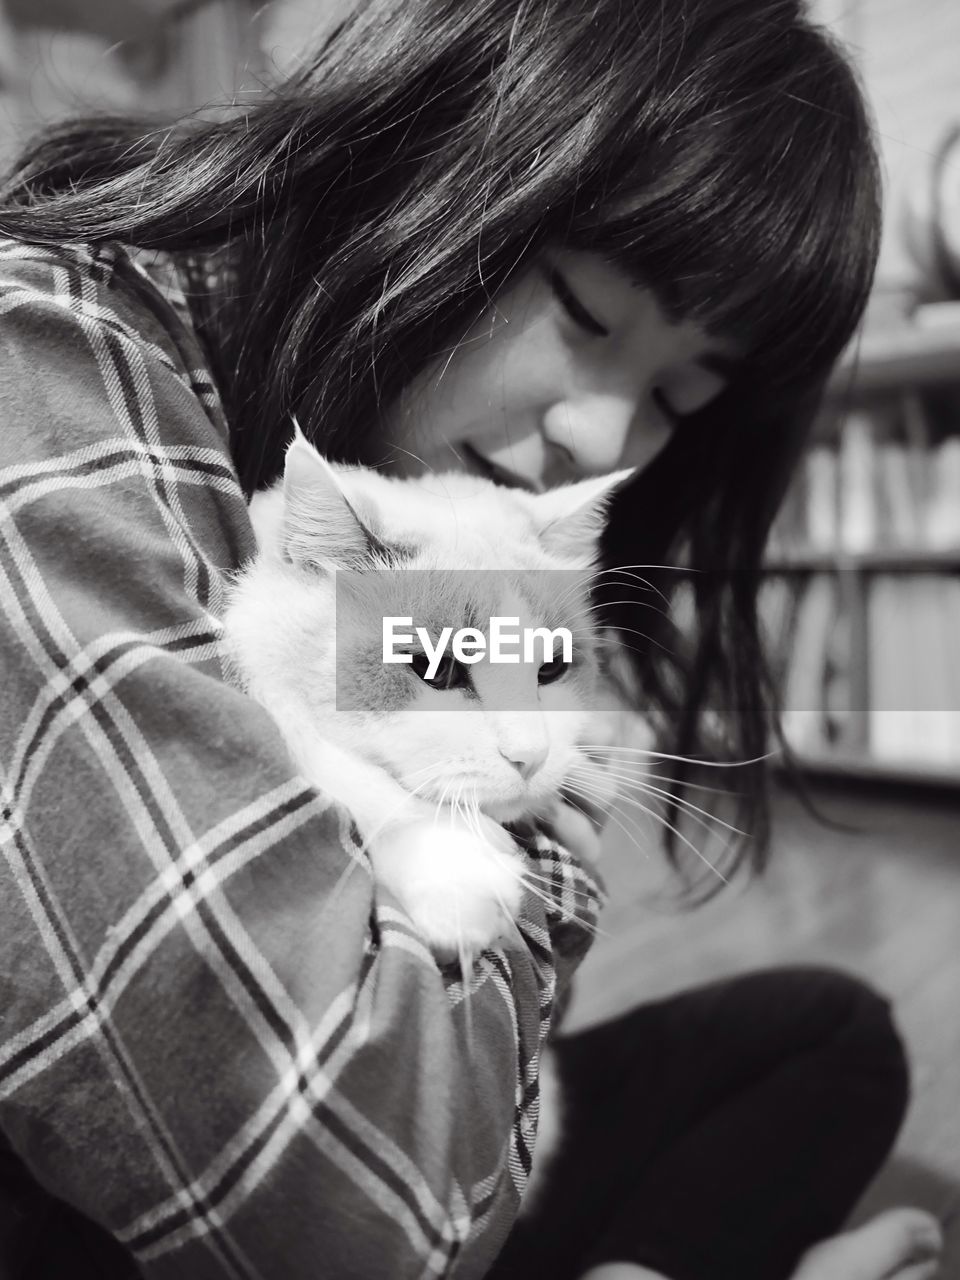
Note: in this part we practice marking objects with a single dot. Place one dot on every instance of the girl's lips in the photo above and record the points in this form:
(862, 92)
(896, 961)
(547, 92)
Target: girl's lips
(498, 474)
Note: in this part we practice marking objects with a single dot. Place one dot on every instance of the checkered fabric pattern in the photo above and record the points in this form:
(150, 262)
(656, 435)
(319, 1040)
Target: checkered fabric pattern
(218, 1039)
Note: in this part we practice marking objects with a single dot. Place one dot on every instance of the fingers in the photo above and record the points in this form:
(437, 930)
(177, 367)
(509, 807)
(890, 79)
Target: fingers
(577, 833)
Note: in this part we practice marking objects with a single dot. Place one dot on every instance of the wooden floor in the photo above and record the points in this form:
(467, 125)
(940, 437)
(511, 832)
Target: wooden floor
(882, 902)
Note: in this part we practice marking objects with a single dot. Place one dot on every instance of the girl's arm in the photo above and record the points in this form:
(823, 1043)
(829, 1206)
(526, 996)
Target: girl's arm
(214, 1039)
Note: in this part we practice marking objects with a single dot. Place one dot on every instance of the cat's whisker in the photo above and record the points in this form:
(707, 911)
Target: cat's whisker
(694, 760)
(465, 959)
(613, 815)
(387, 819)
(710, 822)
(657, 817)
(578, 594)
(596, 605)
(620, 808)
(579, 589)
(550, 902)
(532, 877)
(435, 770)
(591, 635)
(434, 767)
(415, 791)
(472, 813)
(579, 905)
(627, 822)
(622, 571)
(468, 812)
(441, 801)
(685, 571)
(523, 877)
(598, 756)
(634, 631)
(616, 573)
(671, 568)
(609, 639)
(352, 867)
(514, 926)
(703, 816)
(464, 956)
(623, 575)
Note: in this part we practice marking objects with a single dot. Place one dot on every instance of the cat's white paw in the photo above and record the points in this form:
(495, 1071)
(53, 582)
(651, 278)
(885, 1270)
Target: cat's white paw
(461, 889)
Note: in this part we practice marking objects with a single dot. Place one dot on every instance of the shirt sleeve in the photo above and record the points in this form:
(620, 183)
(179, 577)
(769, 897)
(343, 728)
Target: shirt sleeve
(217, 1038)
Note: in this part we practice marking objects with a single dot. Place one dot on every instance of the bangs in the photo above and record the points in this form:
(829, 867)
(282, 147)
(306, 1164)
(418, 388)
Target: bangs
(758, 220)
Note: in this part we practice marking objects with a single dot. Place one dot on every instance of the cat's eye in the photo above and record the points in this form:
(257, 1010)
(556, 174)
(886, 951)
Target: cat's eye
(574, 308)
(449, 674)
(550, 671)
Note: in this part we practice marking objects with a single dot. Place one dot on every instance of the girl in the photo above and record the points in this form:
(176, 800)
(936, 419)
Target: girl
(528, 238)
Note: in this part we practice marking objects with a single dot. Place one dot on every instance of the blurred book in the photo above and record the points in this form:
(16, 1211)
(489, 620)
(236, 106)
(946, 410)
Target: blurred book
(822, 499)
(898, 502)
(891, 720)
(804, 689)
(914, 690)
(857, 485)
(886, 486)
(942, 523)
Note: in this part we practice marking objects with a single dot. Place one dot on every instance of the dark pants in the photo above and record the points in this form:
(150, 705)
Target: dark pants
(717, 1134)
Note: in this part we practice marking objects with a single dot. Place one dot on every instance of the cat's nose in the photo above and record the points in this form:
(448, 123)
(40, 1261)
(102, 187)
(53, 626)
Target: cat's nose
(526, 758)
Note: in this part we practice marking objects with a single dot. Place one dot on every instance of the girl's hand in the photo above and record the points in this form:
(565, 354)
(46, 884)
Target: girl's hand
(577, 832)
(617, 737)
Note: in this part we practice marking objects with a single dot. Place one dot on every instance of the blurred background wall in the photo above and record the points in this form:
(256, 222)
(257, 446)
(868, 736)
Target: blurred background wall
(908, 52)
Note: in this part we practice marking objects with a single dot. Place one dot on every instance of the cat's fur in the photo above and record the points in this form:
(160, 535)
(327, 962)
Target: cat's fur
(405, 751)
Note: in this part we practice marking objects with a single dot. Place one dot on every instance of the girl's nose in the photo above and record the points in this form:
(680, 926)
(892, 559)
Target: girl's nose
(591, 433)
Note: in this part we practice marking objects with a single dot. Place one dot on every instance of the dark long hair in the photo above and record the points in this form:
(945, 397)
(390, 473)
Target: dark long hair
(359, 218)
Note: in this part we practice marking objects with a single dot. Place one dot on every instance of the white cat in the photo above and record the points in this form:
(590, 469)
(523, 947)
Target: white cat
(427, 768)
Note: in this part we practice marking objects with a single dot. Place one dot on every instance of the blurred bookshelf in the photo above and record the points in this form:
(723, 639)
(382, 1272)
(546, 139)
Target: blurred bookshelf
(158, 58)
(921, 351)
(861, 601)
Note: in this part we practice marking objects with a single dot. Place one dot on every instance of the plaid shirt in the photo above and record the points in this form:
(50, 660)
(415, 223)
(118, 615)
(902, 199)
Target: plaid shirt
(218, 1038)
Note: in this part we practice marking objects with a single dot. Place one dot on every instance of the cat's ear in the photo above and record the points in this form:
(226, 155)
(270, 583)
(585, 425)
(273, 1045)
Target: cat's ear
(572, 517)
(320, 527)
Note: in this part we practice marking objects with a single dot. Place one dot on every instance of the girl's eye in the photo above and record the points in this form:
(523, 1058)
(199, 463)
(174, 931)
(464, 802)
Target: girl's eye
(574, 307)
(448, 675)
(550, 671)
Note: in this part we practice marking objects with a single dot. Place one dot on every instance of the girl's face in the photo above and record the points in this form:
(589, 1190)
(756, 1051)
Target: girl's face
(573, 371)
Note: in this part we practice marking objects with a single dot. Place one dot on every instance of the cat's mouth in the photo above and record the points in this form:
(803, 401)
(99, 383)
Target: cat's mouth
(479, 465)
